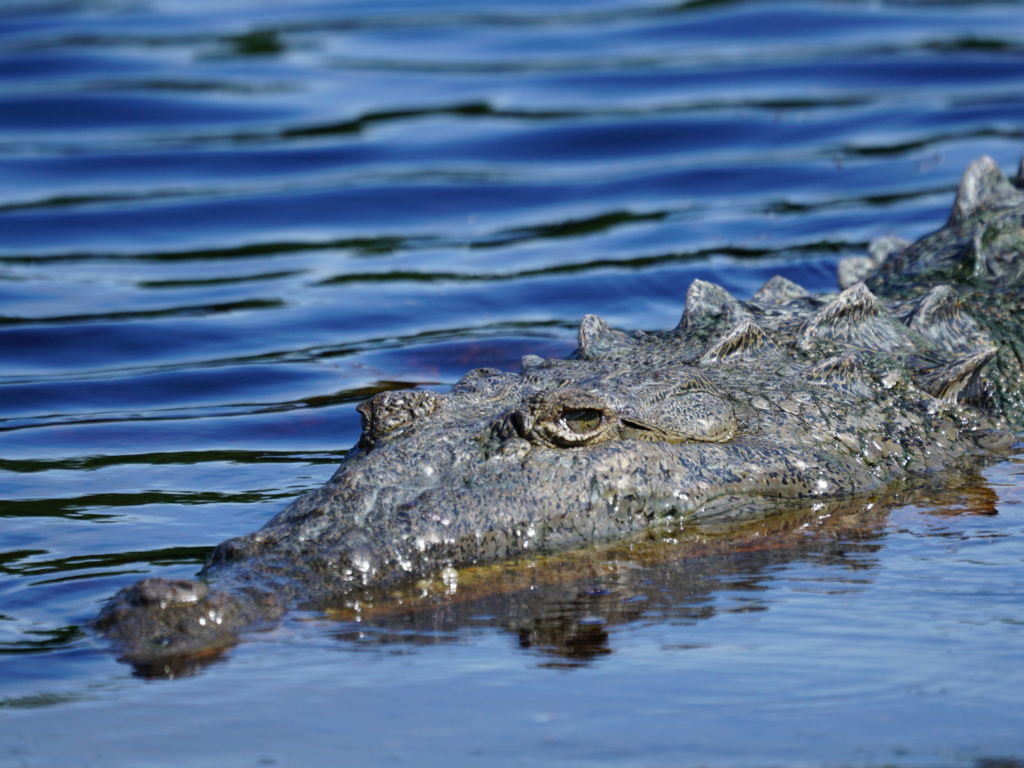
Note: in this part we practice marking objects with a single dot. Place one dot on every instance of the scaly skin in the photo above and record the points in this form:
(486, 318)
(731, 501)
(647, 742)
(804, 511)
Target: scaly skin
(743, 408)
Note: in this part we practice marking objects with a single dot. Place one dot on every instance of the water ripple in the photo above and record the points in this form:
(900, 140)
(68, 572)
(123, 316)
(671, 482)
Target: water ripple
(224, 224)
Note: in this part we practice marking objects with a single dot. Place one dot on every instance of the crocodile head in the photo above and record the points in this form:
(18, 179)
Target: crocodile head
(742, 408)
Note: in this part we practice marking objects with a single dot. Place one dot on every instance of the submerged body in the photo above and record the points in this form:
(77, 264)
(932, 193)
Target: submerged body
(741, 409)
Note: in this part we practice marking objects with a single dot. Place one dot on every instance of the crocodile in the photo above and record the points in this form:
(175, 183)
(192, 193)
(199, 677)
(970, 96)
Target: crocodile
(744, 409)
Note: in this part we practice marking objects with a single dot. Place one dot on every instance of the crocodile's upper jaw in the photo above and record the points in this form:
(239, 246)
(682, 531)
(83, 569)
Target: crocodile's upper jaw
(741, 407)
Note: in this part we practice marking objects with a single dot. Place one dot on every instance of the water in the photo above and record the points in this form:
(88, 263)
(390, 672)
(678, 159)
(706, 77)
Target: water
(224, 224)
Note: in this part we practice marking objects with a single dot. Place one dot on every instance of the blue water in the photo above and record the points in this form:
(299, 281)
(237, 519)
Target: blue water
(225, 224)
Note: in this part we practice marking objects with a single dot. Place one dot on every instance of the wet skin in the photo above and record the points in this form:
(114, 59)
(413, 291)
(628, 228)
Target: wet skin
(741, 410)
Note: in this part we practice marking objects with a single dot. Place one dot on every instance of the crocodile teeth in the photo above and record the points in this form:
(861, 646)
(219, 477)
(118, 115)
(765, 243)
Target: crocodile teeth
(744, 342)
(947, 382)
(705, 301)
(779, 290)
(596, 338)
(983, 187)
(858, 318)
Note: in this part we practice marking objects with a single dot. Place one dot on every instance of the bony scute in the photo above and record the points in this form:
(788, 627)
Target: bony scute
(717, 420)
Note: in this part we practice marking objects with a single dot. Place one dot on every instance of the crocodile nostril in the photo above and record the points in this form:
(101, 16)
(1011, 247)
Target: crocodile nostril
(164, 592)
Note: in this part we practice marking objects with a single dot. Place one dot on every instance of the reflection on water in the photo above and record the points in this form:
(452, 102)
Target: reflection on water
(565, 606)
(571, 603)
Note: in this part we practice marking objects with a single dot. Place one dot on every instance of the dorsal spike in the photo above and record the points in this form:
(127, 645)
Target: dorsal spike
(972, 266)
(940, 317)
(706, 301)
(948, 382)
(780, 291)
(596, 339)
(854, 304)
(858, 318)
(881, 248)
(703, 297)
(858, 269)
(940, 305)
(744, 342)
(984, 186)
(531, 361)
(840, 373)
(855, 269)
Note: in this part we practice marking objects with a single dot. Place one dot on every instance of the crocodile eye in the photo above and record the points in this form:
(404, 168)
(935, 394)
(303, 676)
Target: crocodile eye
(582, 421)
(565, 418)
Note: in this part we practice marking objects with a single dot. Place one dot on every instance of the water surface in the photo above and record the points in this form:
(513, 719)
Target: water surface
(225, 224)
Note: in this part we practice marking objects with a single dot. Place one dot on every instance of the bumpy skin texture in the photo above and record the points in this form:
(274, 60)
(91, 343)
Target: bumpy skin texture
(742, 408)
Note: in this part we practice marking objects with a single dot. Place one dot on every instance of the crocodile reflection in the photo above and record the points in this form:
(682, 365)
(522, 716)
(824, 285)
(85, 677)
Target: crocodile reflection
(565, 609)
(570, 622)
(666, 578)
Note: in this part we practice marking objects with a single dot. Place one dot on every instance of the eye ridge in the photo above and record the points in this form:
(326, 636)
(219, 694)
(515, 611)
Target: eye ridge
(582, 420)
